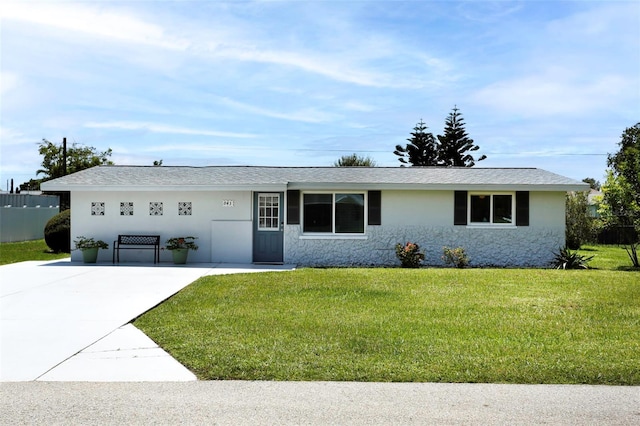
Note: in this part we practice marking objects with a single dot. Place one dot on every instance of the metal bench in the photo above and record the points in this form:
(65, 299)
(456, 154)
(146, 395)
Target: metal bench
(137, 242)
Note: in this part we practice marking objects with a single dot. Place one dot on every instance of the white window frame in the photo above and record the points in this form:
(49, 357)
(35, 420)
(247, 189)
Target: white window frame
(272, 228)
(491, 194)
(333, 234)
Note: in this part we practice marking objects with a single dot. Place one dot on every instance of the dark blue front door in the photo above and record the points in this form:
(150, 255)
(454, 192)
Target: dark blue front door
(268, 227)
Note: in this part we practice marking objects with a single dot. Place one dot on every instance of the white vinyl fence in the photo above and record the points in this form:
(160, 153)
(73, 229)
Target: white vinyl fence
(23, 217)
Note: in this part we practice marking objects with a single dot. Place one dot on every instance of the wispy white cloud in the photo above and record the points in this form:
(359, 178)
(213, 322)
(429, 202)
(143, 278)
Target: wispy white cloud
(488, 10)
(251, 82)
(224, 43)
(8, 81)
(18, 152)
(95, 21)
(329, 66)
(191, 154)
(163, 128)
(307, 115)
(581, 62)
(201, 148)
(602, 22)
(12, 137)
(359, 106)
(553, 92)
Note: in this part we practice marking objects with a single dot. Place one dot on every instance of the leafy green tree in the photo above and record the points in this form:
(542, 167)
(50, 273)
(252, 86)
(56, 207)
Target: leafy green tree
(620, 205)
(593, 184)
(579, 225)
(626, 162)
(455, 144)
(422, 149)
(30, 185)
(354, 160)
(78, 157)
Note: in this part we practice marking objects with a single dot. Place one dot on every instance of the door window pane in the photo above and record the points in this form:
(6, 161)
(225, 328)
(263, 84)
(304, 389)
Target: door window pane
(350, 213)
(268, 212)
(317, 213)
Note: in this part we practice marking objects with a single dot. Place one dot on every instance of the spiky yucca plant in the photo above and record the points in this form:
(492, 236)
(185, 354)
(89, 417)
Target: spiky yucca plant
(565, 258)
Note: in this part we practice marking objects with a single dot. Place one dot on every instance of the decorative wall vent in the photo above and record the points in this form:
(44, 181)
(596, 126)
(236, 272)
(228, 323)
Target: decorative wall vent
(184, 208)
(155, 208)
(126, 208)
(97, 208)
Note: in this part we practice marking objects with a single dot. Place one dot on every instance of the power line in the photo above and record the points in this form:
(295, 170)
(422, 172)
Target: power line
(530, 154)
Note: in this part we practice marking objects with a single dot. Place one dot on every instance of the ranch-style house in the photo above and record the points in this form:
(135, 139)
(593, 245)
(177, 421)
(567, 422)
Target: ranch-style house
(324, 216)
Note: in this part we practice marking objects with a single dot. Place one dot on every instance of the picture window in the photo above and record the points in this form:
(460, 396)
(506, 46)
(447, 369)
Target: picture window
(339, 213)
(491, 209)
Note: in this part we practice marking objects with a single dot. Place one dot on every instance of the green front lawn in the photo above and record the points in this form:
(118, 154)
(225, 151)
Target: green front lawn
(608, 257)
(441, 325)
(27, 250)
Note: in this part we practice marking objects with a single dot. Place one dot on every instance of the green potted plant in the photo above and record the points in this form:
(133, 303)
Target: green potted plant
(180, 247)
(89, 248)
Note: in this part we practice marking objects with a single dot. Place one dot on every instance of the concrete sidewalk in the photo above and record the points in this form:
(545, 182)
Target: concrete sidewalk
(64, 321)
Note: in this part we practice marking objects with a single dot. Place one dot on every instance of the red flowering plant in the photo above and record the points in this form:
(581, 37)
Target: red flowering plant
(182, 243)
(409, 255)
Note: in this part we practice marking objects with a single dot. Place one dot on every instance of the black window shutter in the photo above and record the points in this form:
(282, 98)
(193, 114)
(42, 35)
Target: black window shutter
(460, 208)
(522, 208)
(293, 207)
(375, 204)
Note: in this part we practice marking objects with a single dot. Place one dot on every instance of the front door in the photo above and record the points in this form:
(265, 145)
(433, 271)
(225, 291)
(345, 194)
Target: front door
(268, 227)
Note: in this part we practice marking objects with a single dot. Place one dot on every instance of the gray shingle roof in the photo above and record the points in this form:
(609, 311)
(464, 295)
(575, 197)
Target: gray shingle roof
(250, 177)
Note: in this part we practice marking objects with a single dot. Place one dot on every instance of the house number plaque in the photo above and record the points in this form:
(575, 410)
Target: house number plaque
(227, 203)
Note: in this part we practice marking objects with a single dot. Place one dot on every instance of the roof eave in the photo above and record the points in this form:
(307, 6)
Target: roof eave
(439, 187)
(164, 188)
(317, 186)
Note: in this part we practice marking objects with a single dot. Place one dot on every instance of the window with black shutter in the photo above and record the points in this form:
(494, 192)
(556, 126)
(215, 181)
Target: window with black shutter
(491, 208)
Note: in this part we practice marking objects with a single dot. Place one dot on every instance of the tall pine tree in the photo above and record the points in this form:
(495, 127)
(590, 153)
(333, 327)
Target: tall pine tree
(422, 149)
(456, 144)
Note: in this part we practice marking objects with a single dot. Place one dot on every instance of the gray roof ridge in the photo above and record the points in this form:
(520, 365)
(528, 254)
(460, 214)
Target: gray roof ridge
(318, 167)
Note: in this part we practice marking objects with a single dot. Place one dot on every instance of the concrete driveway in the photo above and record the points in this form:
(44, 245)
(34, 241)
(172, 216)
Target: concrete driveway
(53, 312)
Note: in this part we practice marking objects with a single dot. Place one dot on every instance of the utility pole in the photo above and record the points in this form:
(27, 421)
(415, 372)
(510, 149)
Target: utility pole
(64, 156)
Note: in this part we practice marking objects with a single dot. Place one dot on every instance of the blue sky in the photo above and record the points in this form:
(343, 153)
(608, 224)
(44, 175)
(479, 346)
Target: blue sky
(296, 83)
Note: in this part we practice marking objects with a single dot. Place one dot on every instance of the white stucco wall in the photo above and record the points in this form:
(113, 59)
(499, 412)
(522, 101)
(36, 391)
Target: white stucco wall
(232, 241)
(225, 233)
(207, 208)
(426, 217)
